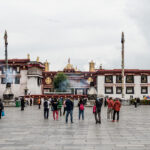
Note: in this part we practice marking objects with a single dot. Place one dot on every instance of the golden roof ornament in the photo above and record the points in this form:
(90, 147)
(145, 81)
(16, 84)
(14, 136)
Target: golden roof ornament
(92, 66)
(69, 66)
(38, 59)
(46, 66)
(28, 56)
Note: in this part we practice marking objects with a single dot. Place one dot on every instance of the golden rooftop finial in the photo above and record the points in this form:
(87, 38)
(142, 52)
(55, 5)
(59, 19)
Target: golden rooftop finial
(92, 66)
(38, 59)
(46, 66)
(28, 56)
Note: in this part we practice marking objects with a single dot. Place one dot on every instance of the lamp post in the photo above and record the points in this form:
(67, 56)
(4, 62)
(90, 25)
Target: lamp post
(123, 41)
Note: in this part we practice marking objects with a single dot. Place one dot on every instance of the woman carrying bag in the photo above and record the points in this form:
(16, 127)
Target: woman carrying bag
(1, 109)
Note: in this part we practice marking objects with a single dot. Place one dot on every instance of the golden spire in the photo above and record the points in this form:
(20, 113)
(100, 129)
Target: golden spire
(28, 56)
(46, 66)
(38, 59)
(92, 66)
(69, 66)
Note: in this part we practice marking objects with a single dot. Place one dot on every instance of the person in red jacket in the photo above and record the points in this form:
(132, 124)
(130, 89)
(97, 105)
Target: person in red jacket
(110, 104)
(116, 107)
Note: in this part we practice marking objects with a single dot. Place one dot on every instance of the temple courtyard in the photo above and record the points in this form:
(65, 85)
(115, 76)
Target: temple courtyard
(28, 130)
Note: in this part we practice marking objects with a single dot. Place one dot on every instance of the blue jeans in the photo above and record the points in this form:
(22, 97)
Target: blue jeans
(71, 115)
(81, 112)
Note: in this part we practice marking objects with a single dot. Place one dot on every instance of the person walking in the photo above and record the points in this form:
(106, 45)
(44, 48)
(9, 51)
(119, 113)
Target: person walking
(39, 102)
(110, 104)
(116, 107)
(98, 103)
(81, 109)
(46, 109)
(30, 101)
(105, 102)
(64, 105)
(22, 103)
(135, 103)
(60, 105)
(1, 108)
(69, 109)
(55, 108)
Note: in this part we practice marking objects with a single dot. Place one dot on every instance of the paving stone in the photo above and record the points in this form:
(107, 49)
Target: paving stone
(28, 130)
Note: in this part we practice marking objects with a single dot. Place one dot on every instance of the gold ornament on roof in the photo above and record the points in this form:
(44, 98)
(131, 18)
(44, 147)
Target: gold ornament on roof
(38, 59)
(92, 66)
(69, 66)
(46, 66)
(90, 79)
(28, 56)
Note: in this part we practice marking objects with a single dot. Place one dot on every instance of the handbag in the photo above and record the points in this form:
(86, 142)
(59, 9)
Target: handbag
(3, 113)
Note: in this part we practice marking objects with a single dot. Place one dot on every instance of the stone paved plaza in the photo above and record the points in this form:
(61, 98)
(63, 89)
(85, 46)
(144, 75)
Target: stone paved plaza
(28, 130)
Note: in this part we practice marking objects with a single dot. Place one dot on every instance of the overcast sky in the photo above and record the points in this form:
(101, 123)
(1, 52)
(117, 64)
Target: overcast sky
(81, 30)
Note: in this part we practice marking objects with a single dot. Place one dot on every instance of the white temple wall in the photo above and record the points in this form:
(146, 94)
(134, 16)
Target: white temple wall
(2, 86)
(17, 89)
(33, 87)
(137, 87)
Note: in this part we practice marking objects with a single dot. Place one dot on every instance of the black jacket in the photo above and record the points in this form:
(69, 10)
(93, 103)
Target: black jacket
(1, 106)
(22, 102)
(69, 105)
(55, 104)
(98, 105)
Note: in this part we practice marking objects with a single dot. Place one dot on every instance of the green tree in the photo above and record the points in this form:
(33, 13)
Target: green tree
(60, 82)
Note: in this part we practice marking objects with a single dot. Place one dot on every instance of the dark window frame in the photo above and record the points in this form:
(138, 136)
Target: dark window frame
(3, 80)
(111, 78)
(117, 90)
(109, 92)
(146, 89)
(132, 90)
(3, 70)
(142, 80)
(17, 80)
(117, 76)
(132, 78)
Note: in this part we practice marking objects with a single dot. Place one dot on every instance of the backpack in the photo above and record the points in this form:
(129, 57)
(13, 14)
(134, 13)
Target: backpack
(46, 104)
(81, 107)
(94, 108)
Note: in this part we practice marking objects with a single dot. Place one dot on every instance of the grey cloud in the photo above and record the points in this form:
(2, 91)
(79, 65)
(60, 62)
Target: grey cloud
(82, 30)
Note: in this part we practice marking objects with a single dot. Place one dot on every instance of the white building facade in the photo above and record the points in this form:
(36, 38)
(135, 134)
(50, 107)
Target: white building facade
(24, 75)
(137, 83)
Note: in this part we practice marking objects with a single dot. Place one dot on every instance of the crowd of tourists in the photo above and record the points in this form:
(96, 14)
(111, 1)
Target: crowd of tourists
(67, 104)
(64, 106)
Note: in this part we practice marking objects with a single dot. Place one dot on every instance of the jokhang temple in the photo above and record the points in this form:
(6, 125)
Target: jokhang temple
(34, 79)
